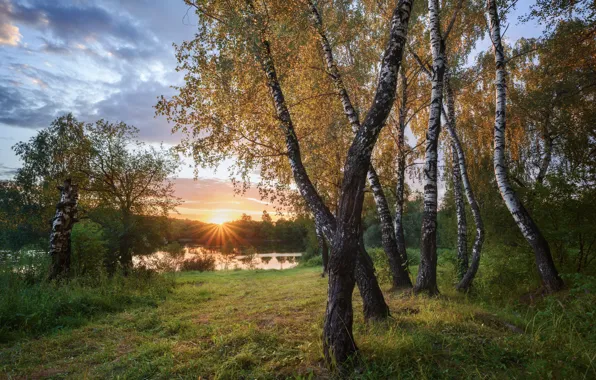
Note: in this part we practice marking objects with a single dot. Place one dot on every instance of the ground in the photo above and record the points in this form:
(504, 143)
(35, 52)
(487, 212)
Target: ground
(267, 324)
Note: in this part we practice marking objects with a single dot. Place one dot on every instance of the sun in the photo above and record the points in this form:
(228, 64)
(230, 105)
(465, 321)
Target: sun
(217, 219)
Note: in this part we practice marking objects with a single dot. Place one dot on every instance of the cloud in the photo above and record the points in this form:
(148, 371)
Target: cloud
(133, 104)
(55, 48)
(7, 172)
(82, 27)
(16, 109)
(9, 33)
(76, 22)
(258, 201)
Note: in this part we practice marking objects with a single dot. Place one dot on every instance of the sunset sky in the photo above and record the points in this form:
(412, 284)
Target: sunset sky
(111, 59)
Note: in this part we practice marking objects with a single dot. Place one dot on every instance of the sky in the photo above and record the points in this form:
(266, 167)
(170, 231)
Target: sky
(111, 59)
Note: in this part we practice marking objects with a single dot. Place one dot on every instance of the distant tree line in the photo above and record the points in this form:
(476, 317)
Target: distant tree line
(282, 235)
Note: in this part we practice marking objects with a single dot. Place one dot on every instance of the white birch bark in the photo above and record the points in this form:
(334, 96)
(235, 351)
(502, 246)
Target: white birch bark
(466, 280)
(427, 273)
(62, 224)
(550, 277)
(401, 171)
(460, 211)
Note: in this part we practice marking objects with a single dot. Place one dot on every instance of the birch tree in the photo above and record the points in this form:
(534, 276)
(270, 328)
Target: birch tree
(254, 26)
(546, 267)
(426, 280)
(464, 31)
(397, 260)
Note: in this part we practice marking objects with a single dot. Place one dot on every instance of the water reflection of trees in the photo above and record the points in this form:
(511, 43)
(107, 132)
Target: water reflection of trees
(228, 258)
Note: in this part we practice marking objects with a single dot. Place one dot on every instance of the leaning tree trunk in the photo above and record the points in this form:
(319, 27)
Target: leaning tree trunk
(337, 332)
(373, 303)
(323, 249)
(468, 277)
(397, 263)
(427, 271)
(401, 174)
(544, 261)
(548, 153)
(338, 341)
(62, 224)
(462, 225)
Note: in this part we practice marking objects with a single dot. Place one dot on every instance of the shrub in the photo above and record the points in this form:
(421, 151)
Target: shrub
(372, 236)
(316, 261)
(89, 248)
(381, 263)
(505, 273)
(199, 263)
(413, 256)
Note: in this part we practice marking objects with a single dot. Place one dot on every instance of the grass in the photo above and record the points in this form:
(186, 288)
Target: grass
(267, 324)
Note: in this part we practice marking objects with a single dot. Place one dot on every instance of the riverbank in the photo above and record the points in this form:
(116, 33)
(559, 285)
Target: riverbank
(263, 324)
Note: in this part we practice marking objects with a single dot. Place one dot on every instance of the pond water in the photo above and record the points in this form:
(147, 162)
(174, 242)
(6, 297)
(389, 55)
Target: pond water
(165, 261)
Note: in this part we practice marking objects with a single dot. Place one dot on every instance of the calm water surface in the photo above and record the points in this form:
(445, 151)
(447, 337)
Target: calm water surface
(167, 261)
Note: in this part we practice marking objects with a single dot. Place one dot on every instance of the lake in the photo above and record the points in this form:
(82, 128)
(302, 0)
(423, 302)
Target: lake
(165, 261)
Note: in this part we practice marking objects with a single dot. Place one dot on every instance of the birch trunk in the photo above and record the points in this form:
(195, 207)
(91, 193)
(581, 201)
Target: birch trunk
(338, 342)
(460, 209)
(374, 306)
(323, 217)
(466, 281)
(472, 269)
(348, 233)
(401, 174)
(426, 280)
(468, 277)
(62, 224)
(546, 267)
(548, 152)
(397, 264)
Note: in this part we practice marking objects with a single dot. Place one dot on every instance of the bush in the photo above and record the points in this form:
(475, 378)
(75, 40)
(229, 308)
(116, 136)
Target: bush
(311, 244)
(413, 256)
(30, 264)
(381, 263)
(199, 263)
(316, 261)
(89, 248)
(372, 236)
(505, 273)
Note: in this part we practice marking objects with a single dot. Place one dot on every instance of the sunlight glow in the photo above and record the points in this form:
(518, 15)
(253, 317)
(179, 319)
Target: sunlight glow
(218, 219)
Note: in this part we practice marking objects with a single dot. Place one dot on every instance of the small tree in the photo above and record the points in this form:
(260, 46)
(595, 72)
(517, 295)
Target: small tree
(131, 177)
(113, 171)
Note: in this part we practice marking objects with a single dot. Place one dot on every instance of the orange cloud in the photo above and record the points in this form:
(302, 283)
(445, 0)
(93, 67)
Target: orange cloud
(214, 201)
(9, 35)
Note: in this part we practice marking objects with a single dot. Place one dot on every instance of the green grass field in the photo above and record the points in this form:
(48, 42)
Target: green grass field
(267, 324)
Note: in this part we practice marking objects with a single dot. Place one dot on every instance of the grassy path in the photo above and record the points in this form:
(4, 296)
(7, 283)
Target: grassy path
(264, 324)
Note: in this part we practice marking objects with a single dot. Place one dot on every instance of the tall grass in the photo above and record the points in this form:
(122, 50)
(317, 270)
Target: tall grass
(30, 306)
